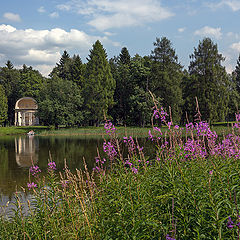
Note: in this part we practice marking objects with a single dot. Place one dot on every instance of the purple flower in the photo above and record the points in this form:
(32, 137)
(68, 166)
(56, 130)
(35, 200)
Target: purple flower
(169, 238)
(110, 129)
(64, 183)
(211, 172)
(230, 223)
(169, 124)
(134, 170)
(31, 185)
(176, 127)
(128, 163)
(52, 166)
(35, 170)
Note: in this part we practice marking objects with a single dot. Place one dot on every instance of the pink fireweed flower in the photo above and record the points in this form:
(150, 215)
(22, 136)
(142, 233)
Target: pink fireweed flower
(35, 170)
(150, 135)
(176, 127)
(169, 124)
(31, 185)
(64, 183)
(109, 149)
(52, 166)
(134, 170)
(211, 172)
(110, 128)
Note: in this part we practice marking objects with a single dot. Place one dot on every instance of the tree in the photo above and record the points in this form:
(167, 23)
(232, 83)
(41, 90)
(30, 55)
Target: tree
(99, 84)
(9, 79)
(3, 106)
(210, 81)
(124, 87)
(60, 103)
(166, 75)
(30, 83)
(77, 71)
(237, 75)
(62, 69)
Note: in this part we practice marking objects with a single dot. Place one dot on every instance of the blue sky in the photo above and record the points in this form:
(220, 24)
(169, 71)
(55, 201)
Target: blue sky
(36, 32)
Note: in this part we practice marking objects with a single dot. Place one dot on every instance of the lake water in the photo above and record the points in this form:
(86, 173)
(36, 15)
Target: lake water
(18, 153)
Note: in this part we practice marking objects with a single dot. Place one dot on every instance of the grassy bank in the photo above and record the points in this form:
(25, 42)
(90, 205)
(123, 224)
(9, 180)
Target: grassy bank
(97, 131)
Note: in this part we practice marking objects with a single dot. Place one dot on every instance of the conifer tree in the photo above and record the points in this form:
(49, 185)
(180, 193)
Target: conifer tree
(99, 84)
(166, 75)
(62, 69)
(210, 81)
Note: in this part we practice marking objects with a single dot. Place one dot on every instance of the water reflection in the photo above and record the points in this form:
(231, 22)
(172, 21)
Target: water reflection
(26, 151)
(18, 153)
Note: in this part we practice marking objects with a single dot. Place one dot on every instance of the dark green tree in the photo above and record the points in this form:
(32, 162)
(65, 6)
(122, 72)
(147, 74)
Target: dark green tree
(3, 106)
(140, 100)
(62, 69)
(237, 75)
(210, 81)
(30, 83)
(99, 84)
(124, 87)
(77, 69)
(9, 79)
(60, 103)
(166, 76)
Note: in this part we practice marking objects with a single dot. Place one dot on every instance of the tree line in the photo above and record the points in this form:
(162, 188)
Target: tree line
(82, 94)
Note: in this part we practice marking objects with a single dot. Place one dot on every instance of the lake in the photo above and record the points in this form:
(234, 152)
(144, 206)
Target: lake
(18, 153)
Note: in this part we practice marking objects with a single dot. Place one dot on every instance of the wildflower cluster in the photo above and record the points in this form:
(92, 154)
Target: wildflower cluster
(231, 224)
(31, 185)
(109, 149)
(52, 166)
(35, 170)
(109, 127)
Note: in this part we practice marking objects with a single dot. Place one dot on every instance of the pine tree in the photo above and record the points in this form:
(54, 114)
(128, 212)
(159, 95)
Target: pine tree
(99, 84)
(77, 71)
(62, 69)
(210, 81)
(166, 75)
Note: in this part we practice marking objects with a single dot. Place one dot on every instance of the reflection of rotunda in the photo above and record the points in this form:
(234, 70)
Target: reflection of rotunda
(25, 110)
(26, 151)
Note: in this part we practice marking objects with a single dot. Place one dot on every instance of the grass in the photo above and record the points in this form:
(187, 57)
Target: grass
(180, 193)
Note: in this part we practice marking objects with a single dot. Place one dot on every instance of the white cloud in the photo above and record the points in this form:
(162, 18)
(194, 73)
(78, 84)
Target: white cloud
(233, 4)
(43, 48)
(107, 14)
(41, 9)
(181, 29)
(209, 32)
(11, 17)
(236, 46)
(54, 15)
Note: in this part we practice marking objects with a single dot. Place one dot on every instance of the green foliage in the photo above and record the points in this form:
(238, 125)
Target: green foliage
(99, 84)
(3, 106)
(60, 103)
(30, 83)
(166, 76)
(211, 83)
(9, 79)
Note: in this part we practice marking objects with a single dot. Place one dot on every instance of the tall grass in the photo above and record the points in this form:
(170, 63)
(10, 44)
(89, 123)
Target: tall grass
(189, 190)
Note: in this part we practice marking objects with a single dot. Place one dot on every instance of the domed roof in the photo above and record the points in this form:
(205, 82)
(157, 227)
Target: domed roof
(26, 103)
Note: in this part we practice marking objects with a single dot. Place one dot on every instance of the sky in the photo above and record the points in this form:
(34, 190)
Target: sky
(36, 32)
